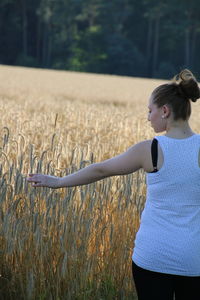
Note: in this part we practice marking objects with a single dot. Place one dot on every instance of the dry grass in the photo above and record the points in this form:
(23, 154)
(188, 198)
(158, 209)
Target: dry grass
(71, 243)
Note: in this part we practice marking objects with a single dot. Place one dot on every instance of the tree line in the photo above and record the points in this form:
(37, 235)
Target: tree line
(147, 38)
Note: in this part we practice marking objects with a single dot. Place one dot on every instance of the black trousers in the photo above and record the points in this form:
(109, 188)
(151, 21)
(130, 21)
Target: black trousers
(159, 286)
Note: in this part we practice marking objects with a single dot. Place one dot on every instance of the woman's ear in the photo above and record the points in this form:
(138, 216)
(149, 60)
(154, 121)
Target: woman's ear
(166, 111)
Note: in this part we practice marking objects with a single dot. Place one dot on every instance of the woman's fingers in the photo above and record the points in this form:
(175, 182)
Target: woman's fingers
(37, 184)
(32, 177)
(41, 180)
(35, 179)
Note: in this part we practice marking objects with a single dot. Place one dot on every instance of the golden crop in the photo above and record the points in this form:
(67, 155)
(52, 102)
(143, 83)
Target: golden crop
(73, 243)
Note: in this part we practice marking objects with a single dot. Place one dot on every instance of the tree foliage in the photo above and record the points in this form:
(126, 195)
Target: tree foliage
(147, 38)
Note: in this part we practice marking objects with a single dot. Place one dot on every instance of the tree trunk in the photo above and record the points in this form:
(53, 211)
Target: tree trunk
(155, 45)
(149, 47)
(24, 28)
(49, 46)
(193, 46)
(38, 41)
(187, 47)
(44, 45)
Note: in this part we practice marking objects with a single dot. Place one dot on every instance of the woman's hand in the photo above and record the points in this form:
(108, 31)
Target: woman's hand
(40, 180)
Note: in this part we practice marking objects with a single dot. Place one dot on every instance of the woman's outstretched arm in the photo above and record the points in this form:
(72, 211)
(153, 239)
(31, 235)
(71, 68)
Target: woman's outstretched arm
(125, 163)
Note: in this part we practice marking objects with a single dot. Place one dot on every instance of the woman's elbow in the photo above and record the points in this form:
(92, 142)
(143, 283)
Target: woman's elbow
(102, 170)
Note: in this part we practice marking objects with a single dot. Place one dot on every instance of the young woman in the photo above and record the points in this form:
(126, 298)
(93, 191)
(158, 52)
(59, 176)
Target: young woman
(166, 256)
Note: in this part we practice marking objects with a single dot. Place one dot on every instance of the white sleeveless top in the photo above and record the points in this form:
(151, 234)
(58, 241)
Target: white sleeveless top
(168, 240)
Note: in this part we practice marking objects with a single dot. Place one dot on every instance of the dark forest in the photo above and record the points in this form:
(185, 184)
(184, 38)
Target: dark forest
(146, 38)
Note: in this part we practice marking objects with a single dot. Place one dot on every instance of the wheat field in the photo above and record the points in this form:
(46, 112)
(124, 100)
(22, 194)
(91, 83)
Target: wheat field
(73, 243)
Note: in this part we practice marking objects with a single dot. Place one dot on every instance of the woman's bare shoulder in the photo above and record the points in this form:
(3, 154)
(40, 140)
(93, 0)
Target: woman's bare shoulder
(145, 145)
(145, 149)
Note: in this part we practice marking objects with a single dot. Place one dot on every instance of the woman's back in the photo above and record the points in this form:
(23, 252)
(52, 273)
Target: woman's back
(168, 240)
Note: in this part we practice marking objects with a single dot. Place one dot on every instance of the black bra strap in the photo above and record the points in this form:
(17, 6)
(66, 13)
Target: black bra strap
(154, 154)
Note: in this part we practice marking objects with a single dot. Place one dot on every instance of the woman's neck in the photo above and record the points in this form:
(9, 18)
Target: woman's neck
(179, 129)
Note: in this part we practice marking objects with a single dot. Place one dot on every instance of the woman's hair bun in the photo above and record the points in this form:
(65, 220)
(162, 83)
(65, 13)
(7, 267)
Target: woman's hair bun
(188, 85)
